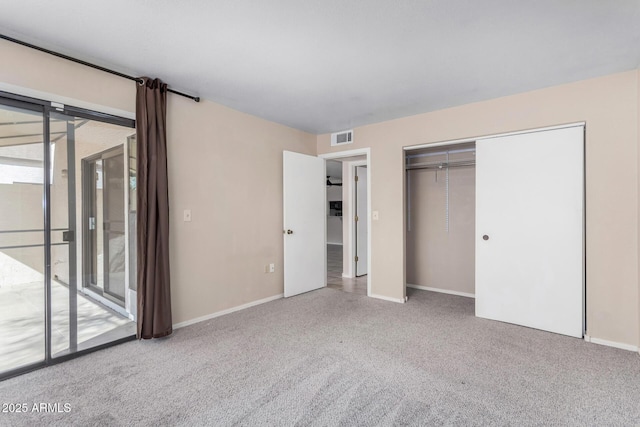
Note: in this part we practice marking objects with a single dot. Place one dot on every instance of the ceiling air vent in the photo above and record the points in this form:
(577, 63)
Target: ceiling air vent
(340, 138)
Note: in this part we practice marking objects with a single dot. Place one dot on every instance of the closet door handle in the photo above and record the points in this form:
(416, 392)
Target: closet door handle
(485, 237)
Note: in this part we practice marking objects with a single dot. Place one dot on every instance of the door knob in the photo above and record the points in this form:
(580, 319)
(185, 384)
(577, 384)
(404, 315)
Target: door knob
(288, 231)
(485, 237)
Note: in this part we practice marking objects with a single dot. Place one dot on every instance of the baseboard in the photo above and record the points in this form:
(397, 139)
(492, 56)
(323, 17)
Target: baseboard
(335, 244)
(346, 276)
(227, 311)
(442, 291)
(614, 344)
(382, 297)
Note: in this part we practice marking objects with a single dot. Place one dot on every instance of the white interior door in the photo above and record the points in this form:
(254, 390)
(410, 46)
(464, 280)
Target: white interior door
(362, 222)
(529, 226)
(305, 251)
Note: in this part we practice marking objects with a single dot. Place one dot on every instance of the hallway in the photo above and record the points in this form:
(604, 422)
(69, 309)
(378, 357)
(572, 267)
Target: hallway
(357, 285)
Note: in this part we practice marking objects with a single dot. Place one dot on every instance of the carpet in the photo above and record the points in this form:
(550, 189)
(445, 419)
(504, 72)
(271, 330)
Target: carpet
(340, 359)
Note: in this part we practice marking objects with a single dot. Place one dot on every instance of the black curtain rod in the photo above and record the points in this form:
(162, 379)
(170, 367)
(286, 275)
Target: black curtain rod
(88, 64)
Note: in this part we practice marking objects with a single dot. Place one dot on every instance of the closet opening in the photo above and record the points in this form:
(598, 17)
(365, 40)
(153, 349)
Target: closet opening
(441, 218)
(481, 224)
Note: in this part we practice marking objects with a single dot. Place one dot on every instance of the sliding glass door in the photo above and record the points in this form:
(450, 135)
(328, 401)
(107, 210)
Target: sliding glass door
(48, 309)
(104, 191)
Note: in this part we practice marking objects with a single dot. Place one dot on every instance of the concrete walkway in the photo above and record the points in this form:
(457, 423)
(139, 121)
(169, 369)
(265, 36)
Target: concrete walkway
(22, 321)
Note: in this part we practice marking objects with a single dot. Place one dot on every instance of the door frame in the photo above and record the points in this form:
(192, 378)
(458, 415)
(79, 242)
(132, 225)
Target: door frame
(353, 153)
(454, 142)
(354, 232)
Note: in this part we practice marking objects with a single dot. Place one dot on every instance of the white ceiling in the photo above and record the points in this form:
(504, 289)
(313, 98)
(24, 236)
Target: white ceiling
(330, 65)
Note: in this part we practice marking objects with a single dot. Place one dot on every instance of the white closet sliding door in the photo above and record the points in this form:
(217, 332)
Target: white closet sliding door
(529, 229)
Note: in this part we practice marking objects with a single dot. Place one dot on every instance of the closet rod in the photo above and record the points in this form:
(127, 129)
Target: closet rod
(439, 165)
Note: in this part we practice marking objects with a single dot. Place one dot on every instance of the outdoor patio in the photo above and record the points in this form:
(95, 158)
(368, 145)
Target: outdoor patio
(22, 317)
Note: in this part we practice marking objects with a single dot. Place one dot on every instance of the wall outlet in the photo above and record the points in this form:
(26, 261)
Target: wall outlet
(272, 268)
(187, 215)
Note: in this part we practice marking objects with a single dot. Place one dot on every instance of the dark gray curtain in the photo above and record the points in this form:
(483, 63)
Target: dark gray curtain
(154, 296)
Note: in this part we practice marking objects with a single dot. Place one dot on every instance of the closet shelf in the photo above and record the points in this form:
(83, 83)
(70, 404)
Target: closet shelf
(440, 165)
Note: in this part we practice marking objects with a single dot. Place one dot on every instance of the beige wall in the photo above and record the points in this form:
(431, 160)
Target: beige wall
(25, 213)
(609, 106)
(437, 257)
(33, 70)
(224, 165)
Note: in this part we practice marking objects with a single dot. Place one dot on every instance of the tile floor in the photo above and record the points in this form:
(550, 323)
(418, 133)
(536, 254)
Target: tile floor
(335, 280)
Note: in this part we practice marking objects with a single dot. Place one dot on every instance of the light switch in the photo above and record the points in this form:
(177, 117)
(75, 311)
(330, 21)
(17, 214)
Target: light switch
(187, 215)
(375, 215)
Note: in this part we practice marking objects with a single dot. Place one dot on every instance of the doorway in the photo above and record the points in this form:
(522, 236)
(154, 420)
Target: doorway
(347, 224)
(305, 213)
(441, 218)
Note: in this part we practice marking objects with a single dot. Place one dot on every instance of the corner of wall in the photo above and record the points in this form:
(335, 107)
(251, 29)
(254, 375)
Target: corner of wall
(322, 142)
(638, 152)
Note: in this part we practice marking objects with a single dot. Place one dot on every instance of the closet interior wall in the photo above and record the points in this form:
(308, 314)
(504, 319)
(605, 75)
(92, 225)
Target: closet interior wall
(441, 218)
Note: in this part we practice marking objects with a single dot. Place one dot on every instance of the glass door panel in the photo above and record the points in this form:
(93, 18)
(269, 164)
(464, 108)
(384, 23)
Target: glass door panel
(87, 315)
(114, 224)
(22, 275)
(64, 316)
(132, 228)
(92, 224)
